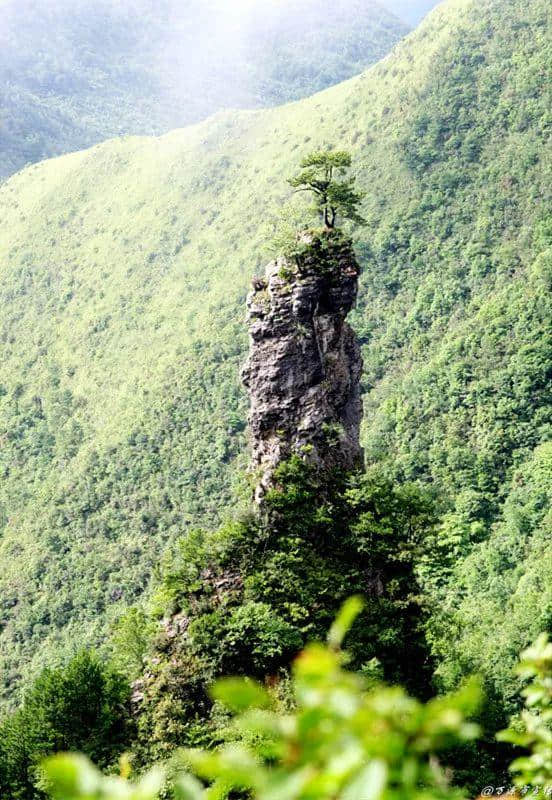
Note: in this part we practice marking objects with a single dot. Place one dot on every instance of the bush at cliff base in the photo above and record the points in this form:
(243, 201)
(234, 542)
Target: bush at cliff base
(532, 729)
(344, 740)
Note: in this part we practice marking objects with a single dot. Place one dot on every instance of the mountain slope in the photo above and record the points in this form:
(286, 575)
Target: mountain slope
(124, 274)
(139, 67)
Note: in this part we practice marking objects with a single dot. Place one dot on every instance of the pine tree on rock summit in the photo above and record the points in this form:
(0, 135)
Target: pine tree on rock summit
(320, 173)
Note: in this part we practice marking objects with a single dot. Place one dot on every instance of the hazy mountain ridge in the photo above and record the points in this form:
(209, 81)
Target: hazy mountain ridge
(136, 67)
(124, 274)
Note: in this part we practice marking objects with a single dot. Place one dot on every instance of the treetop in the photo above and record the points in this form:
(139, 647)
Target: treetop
(323, 173)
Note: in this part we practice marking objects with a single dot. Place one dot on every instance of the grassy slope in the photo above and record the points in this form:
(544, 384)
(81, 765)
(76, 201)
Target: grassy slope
(124, 273)
(143, 67)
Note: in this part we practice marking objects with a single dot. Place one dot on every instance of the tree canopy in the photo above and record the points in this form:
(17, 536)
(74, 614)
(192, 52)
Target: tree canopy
(320, 173)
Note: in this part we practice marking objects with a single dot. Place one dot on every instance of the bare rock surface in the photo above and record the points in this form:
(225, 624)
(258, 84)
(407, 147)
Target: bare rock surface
(304, 365)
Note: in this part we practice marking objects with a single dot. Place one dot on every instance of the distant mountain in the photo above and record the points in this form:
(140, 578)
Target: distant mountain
(411, 11)
(75, 72)
(124, 271)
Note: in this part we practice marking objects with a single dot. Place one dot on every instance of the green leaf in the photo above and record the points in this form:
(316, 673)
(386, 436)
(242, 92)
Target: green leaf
(188, 788)
(240, 694)
(70, 776)
(345, 619)
(369, 784)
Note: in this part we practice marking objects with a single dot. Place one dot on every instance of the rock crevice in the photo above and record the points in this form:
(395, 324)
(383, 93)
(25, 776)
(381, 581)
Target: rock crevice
(304, 365)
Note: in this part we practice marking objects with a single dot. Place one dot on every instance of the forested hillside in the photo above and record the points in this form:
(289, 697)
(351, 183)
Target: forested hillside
(140, 67)
(124, 273)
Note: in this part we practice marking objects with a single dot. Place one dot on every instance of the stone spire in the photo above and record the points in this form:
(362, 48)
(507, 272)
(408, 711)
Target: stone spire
(304, 364)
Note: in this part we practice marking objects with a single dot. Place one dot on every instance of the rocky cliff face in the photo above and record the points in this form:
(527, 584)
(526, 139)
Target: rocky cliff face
(304, 364)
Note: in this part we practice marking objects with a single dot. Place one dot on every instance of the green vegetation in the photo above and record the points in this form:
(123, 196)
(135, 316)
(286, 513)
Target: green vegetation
(341, 738)
(240, 600)
(124, 271)
(81, 706)
(245, 599)
(332, 197)
(135, 67)
(533, 731)
(336, 735)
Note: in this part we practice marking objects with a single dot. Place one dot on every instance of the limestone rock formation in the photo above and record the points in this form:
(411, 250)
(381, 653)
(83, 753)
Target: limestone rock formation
(304, 364)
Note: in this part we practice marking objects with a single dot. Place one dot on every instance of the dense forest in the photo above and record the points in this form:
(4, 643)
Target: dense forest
(122, 295)
(142, 67)
(123, 497)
